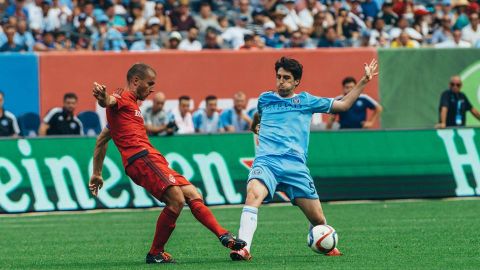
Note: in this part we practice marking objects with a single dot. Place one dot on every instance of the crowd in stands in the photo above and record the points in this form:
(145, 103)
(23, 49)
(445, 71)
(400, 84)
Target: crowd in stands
(192, 25)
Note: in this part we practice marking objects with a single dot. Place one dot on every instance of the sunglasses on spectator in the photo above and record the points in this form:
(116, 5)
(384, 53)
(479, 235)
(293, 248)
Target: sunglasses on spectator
(455, 84)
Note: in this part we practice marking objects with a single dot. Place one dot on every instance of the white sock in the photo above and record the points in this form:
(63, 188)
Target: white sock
(248, 225)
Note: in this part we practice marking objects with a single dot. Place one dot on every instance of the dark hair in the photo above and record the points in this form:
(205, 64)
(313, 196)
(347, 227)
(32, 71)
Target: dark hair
(349, 79)
(183, 98)
(248, 37)
(140, 70)
(290, 65)
(210, 97)
(70, 95)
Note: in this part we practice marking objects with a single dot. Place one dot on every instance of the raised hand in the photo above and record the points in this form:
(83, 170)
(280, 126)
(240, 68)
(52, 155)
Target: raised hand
(371, 69)
(100, 93)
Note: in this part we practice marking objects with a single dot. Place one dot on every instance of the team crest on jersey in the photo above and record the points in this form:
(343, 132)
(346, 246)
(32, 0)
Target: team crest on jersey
(4, 122)
(73, 125)
(359, 103)
(257, 171)
(138, 113)
(296, 100)
(60, 118)
(171, 178)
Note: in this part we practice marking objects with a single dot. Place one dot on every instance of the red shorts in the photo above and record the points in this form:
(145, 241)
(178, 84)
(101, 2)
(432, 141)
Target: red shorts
(152, 173)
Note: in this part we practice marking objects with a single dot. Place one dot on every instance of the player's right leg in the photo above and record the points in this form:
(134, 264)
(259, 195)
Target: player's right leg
(256, 194)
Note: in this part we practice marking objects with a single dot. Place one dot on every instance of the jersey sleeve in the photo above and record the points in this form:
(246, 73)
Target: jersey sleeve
(121, 101)
(197, 119)
(320, 104)
(444, 99)
(48, 119)
(370, 102)
(226, 118)
(261, 103)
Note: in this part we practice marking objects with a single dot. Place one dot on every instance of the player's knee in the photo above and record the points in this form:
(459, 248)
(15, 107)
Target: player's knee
(177, 204)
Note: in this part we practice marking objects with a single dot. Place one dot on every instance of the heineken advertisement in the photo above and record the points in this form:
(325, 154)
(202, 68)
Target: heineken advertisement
(52, 174)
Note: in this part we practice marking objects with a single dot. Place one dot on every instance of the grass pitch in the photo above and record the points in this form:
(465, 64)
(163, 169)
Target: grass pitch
(434, 234)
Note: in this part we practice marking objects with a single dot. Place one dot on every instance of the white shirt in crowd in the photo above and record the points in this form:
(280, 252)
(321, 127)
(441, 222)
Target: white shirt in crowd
(470, 35)
(187, 45)
(184, 124)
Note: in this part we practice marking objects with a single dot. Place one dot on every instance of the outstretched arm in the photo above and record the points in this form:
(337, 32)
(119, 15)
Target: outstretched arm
(96, 181)
(347, 101)
(104, 99)
(255, 127)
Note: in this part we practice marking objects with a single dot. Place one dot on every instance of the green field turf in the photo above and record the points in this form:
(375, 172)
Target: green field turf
(391, 235)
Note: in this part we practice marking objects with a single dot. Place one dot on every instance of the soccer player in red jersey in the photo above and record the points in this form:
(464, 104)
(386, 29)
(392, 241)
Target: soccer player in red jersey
(145, 165)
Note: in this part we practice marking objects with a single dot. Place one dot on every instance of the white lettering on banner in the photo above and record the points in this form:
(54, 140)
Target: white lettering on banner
(115, 176)
(186, 169)
(205, 164)
(457, 161)
(8, 185)
(65, 201)
(140, 197)
(42, 203)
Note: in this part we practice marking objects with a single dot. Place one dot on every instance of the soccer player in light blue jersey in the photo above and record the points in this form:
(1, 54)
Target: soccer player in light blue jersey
(280, 163)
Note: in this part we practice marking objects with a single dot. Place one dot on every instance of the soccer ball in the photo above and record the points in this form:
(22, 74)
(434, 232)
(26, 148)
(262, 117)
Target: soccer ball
(322, 239)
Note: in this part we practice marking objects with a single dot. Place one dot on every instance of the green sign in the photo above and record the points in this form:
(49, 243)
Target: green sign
(412, 81)
(52, 174)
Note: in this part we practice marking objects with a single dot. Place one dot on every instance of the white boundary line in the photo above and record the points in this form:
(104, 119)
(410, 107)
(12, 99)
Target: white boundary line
(281, 204)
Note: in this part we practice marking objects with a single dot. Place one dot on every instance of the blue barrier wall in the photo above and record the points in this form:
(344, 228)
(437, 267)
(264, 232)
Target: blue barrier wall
(19, 82)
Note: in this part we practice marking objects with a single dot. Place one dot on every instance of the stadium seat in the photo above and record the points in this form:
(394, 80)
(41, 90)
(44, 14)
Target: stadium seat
(29, 124)
(91, 123)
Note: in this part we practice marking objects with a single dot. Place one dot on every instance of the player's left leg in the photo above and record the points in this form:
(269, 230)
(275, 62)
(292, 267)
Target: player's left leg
(203, 214)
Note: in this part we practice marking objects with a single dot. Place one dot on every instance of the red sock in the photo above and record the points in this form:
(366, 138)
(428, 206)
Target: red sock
(165, 226)
(205, 216)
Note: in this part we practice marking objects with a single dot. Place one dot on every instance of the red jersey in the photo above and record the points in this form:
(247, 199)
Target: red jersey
(127, 129)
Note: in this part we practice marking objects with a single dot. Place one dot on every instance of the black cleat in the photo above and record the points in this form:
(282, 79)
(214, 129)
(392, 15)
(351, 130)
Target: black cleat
(228, 240)
(162, 257)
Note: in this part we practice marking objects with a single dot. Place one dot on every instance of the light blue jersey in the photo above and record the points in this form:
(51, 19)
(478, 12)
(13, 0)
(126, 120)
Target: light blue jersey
(281, 155)
(285, 123)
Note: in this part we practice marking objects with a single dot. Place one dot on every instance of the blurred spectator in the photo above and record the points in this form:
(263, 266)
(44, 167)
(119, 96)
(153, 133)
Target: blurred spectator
(379, 30)
(8, 122)
(87, 10)
(23, 37)
(211, 41)
(156, 36)
(296, 40)
(107, 39)
(454, 105)
(347, 28)
(388, 15)
(404, 41)
(330, 39)
(163, 20)
(18, 10)
(10, 45)
(403, 26)
(234, 36)
(191, 43)
(208, 120)
(306, 15)
(259, 42)
(356, 116)
(138, 19)
(46, 43)
(50, 19)
(321, 21)
(146, 44)
(249, 43)
(62, 121)
(444, 32)
(130, 35)
(260, 17)
(243, 10)
(206, 19)
(181, 18)
(369, 8)
(62, 43)
(81, 35)
(471, 32)
(182, 116)
(114, 21)
(174, 40)
(292, 20)
(155, 117)
(456, 42)
(272, 39)
(236, 119)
